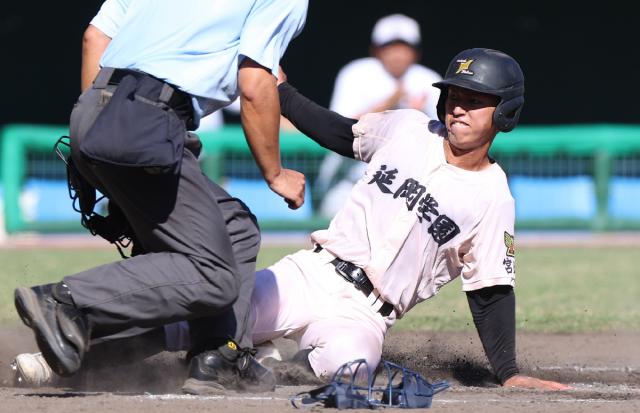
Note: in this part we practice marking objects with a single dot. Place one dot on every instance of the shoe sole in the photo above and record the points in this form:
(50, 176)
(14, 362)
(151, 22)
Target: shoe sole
(27, 377)
(31, 315)
(202, 388)
(21, 377)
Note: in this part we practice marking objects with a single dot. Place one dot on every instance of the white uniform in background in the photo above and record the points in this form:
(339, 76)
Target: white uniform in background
(412, 222)
(364, 84)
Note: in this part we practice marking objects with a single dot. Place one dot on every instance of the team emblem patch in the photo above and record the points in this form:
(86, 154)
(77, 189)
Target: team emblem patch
(463, 66)
(510, 243)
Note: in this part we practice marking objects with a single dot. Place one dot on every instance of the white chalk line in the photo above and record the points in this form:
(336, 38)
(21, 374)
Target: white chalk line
(214, 397)
(436, 400)
(460, 401)
(591, 369)
(446, 400)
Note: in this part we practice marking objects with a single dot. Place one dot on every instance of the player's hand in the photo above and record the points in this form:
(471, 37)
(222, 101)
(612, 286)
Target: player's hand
(289, 184)
(526, 382)
(282, 76)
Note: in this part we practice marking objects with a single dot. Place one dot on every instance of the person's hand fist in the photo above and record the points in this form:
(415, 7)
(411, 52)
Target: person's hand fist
(290, 185)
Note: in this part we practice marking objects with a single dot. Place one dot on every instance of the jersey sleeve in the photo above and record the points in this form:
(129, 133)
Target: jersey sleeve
(269, 28)
(110, 17)
(327, 128)
(374, 130)
(490, 259)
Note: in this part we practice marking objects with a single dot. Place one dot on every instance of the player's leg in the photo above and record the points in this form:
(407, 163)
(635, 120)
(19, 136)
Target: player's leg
(207, 368)
(303, 298)
(339, 324)
(188, 271)
(282, 301)
(282, 306)
(335, 341)
(244, 233)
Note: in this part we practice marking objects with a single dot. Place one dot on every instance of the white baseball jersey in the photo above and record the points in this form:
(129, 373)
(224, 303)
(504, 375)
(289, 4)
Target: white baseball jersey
(413, 222)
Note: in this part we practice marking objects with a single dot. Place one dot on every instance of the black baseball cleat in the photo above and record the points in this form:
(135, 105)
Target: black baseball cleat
(254, 377)
(228, 368)
(61, 330)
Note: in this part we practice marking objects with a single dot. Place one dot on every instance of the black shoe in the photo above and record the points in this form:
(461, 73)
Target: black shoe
(61, 330)
(229, 368)
(254, 377)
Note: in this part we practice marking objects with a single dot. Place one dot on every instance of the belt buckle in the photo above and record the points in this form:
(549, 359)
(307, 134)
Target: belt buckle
(359, 278)
(342, 268)
(354, 274)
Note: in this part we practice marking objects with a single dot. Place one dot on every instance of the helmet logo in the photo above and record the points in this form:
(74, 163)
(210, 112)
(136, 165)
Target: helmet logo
(463, 66)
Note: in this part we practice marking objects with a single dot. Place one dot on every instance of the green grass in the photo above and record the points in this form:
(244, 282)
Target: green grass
(558, 289)
(39, 266)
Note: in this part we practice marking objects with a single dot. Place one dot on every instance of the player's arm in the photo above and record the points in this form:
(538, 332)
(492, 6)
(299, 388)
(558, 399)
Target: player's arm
(494, 310)
(327, 128)
(94, 43)
(102, 28)
(260, 114)
(494, 314)
(267, 31)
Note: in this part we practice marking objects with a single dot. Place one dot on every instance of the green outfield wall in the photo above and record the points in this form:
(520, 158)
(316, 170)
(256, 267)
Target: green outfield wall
(562, 177)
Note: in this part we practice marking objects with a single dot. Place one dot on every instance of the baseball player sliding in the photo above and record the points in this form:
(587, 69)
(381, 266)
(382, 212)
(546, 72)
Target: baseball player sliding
(432, 206)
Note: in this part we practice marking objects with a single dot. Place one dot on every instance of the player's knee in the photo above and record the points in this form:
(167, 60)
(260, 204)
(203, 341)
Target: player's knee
(265, 289)
(265, 306)
(328, 359)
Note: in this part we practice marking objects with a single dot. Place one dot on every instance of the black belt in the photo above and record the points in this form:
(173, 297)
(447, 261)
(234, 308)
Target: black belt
(179, 101)
(357, 277)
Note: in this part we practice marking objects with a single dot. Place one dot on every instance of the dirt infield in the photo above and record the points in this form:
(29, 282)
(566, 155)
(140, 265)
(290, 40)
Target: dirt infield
(604, 369)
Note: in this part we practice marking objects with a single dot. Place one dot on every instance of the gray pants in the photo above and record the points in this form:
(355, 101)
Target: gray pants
(200, 246)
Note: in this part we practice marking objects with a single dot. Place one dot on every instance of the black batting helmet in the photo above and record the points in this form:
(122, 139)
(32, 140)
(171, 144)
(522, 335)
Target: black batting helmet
(487, 71)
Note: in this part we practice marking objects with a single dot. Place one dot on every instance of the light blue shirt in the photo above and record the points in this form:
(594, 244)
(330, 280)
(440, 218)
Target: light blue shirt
(197, 45)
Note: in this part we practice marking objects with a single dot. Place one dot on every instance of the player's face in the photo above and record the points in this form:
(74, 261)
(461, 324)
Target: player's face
(469, 118)
(397, 58)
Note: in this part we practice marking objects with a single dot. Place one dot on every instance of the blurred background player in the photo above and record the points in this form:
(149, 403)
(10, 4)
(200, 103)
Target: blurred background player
(390, 78)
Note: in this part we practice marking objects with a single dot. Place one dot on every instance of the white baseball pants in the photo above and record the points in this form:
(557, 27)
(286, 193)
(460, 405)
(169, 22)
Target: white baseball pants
(301, 297)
